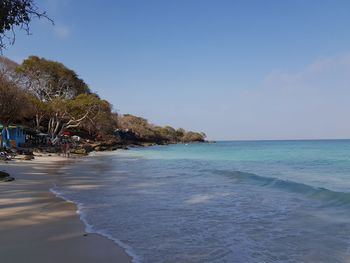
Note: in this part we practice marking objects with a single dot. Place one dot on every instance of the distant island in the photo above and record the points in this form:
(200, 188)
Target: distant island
(44, 104)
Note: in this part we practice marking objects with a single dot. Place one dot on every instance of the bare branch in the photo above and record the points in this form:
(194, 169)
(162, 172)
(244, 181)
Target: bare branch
(17, 13)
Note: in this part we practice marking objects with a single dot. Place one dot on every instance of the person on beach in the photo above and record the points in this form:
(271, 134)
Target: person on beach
(49, 144)
(65, 147)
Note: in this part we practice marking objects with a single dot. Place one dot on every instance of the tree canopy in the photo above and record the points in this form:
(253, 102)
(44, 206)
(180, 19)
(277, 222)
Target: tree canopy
(151, 133)
(48, 79)
(13, 102)
(17, 13)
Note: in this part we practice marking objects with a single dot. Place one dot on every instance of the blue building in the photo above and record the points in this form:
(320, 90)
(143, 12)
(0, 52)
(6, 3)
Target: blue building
(13, 136)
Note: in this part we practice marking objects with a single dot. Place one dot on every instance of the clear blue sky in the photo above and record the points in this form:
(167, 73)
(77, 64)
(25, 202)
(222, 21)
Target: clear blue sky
(233, 69)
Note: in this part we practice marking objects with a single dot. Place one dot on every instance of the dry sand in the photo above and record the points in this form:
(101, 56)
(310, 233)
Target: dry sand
(36, 226)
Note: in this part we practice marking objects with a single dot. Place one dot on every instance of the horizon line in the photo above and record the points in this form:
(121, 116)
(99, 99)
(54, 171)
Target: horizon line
(304, 139)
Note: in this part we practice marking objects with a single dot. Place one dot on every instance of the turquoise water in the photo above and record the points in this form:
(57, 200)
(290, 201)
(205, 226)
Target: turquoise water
(248, 201)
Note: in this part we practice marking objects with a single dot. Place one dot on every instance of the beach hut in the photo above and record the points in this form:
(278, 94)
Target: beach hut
(13, 136)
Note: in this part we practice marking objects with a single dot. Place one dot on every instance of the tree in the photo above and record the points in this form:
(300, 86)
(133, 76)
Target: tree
(193, 137)
(14, 105)
(49, 80)
(167, 134)
(40, 110)
(8, 69)
(58, 95)
(67, 114)
(17, 13)
(180, 132)
(150, 133)
(103, 122)
(138, 125)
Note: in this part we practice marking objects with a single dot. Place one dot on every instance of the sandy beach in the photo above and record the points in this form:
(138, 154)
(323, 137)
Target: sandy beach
(36, 226)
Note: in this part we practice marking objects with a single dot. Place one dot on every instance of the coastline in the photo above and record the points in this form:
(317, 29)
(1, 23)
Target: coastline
(37, 225)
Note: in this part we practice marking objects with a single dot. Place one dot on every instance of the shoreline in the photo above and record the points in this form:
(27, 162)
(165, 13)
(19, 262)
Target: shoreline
(89, 229)
(37, 225)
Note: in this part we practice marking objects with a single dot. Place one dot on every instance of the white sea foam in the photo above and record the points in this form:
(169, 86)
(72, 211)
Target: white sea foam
(89, 228)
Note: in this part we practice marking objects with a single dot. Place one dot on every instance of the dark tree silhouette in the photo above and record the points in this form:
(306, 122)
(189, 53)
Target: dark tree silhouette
(17, 13)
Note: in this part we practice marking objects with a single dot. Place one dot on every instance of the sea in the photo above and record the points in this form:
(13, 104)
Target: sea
(230, 201)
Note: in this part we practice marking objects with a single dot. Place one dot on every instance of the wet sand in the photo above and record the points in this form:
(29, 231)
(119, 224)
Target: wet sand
(36, 226)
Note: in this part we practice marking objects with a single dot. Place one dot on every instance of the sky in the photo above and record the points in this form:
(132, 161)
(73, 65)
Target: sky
(236, 70)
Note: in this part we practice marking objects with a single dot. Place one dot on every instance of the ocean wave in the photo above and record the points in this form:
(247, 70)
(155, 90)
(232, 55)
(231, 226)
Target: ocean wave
(89, 228)
(330, 197)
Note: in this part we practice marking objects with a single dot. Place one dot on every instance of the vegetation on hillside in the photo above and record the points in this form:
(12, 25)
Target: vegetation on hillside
(148, 132)
(51, 98)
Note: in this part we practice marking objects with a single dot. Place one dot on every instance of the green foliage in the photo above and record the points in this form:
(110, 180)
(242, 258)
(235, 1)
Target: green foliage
(193, 137)
(38, 105)
(180, 132)
(62, 100)
(83, 104)
(48, 79)
(40, 110)
(14, 13)
(150, 133)
(17, 13)
(103, 121)
(139, 126)
(72, 113)
(167, 133)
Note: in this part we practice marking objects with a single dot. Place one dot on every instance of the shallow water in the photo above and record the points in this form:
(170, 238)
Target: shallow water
(262, 201)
